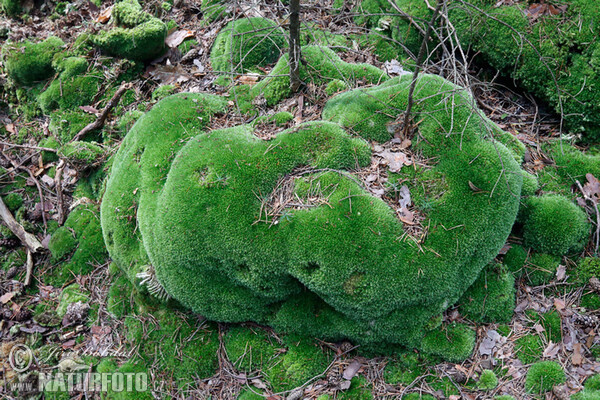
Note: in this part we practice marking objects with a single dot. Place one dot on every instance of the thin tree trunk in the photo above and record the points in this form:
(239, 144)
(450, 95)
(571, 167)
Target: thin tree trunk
(294, 45)
(418, 67)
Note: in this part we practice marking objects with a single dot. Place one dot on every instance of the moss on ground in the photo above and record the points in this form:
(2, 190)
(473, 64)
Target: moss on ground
(69, 295)
(550, 321)
(492, 297)
(76, 246)
(541, 268)
(302, 361)
(191, 347)
(587, 268)
(65, 124)
(591, 389)
(359, 390)
(250, 349)
(515, 259)
(29, 62)
(529, 348)
(487, 380)
(543, 376)
(246, 44)
(453, 343)
(404, 369)
(74, 87)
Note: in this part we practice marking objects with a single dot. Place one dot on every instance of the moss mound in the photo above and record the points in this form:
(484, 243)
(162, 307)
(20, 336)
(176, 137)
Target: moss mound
(492, 296)
(197, 207)
(488, 380)
(543, 376)
(137, 35)
(30, 62)
(554, 225)
(247, 43)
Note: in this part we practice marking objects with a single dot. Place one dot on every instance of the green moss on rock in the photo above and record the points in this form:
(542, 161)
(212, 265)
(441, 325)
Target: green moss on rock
(80, 152)
(492, 296)
(189, 203)
(30, 62)
(543, 376)
(247, 43)
(552, 224)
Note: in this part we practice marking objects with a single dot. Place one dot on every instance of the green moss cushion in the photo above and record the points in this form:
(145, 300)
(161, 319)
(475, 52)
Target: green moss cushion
(202, 209)
(247, 43)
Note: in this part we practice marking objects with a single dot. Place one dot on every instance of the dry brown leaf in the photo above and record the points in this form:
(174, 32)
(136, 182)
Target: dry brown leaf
(394, 160)
(11, 128)
(176, 38)
(104, 16)
(6, 297)
(551, 350)
(168, 74)
(559, 304)
(250, 79)
(351, 370)
(577, 357)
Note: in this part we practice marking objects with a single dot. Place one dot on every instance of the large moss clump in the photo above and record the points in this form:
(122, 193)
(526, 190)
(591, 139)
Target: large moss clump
(137, 35)
(28, 62)
(195, 209)
(247, 43)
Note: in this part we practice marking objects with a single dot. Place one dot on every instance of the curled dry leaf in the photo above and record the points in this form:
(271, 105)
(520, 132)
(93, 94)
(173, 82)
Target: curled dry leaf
(351, 370)
(174, 39)
(104, 16)
(168, 74)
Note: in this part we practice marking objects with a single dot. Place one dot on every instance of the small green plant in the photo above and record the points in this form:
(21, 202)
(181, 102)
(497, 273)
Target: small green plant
(488, 380)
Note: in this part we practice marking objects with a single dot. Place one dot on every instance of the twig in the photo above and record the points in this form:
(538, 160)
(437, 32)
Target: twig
(29, 268)
(418, 69)
(26, 238)
(22, 146)
(99, 122)
(59, 194)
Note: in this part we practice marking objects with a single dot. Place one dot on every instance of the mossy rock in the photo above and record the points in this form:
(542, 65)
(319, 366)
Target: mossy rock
(138, 36)
(492, 296)
(186, 203)
(543, 376)
(247, 43)
(30, 62)
(553, 224)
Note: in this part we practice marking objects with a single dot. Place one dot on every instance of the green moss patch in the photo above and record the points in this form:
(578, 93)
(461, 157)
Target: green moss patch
(543, 376)
(77, 246)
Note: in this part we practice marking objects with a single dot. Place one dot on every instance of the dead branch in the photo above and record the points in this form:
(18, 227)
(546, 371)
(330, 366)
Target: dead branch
(59, 194)
(99, 122)
(26, 238)
(22, 146)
